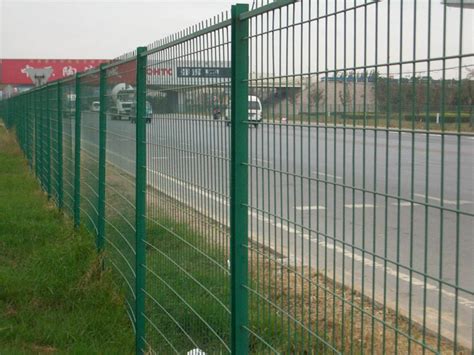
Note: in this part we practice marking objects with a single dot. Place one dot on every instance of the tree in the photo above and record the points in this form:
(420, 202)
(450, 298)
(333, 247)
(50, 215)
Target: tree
(345, 96)
(316, 94)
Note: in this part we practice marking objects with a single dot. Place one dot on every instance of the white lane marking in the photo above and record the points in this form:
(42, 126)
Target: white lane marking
(282, 226)
(212, 196)
(390, 270)
(359, 205)
(163, 158)
(445, 201)
(328, 175)
(309, 208)
(405, 204)
(435, 135)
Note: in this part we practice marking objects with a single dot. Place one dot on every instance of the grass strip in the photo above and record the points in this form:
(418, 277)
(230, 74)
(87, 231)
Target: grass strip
(53, 295)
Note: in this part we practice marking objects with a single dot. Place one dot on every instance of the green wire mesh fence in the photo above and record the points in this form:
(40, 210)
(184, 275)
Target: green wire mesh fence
(291, 178)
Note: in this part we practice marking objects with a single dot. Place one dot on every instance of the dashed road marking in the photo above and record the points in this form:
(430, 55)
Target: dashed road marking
(320, 173)
(178, 157)
(359, 205)
(405, 204)
(310, 208)
(445, 201)
(347, 252)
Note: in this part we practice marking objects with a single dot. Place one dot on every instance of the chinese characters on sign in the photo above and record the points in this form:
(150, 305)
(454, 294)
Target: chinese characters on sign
(200, 72)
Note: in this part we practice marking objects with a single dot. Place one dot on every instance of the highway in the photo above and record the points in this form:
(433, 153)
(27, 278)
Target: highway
(365, 208)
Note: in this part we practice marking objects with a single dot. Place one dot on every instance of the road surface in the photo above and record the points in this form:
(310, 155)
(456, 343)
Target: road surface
(364, 208)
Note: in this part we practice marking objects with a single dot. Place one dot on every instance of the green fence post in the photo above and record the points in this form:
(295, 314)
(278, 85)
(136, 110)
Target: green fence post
(37, 134)
(77, 155)
(30, 130)
(48, 142)
(36, 118)
(60, 146)
(20, 122)
(140, 200)
(102, 147)
(25, 124)
(41, 137)
(239, 181)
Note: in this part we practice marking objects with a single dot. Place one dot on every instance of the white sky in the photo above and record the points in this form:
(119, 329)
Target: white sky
(94, 29)
(105, 29)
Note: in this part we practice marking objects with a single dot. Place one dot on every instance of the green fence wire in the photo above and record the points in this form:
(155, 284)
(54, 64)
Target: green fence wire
(291, 178)
(67, 92)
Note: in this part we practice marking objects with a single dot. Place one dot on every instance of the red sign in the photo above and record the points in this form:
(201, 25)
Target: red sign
(159, 71)
(41, 71)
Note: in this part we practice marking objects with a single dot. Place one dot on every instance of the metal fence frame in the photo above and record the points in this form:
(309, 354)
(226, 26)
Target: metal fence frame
(39, 117)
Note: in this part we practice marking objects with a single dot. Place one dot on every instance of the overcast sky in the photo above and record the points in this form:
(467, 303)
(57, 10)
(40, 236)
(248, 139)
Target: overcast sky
(94, 29)
(105, 29)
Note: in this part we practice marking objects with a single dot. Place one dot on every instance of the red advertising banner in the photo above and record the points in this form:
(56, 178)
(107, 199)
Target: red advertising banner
(41, 71)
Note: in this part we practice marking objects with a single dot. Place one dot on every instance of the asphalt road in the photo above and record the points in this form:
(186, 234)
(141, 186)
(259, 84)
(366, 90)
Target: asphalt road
(365, 208)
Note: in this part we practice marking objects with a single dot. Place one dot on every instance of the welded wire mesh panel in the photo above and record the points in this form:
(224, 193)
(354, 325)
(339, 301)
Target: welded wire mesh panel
(361, 199)
(187, 109)
(54, 142)
(19, 125)
(68, 112)
(120, 176)
(39, 137)
(89, 199)
(30, 133)
(44, 137)
(37, 121)
(3, 110)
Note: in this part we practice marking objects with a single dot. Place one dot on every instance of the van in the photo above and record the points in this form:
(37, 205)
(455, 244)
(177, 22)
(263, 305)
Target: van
(254, 110)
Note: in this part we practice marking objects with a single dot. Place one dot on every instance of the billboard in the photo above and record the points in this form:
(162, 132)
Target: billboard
(172, 73)
(41, 71)
(18, 72)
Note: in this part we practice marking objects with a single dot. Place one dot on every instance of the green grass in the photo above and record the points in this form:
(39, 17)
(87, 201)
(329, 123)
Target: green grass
(194, 281)
(53, 296)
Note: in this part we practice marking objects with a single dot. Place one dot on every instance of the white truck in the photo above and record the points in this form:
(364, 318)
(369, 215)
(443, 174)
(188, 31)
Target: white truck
(123, 97)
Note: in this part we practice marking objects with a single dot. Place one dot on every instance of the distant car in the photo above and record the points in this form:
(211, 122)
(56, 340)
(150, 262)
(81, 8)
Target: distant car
(216, 113)
(148, 113)
(254, 111)
(95, 106)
